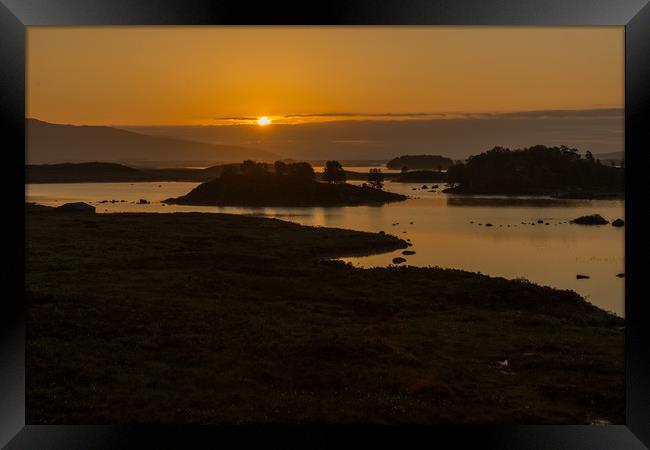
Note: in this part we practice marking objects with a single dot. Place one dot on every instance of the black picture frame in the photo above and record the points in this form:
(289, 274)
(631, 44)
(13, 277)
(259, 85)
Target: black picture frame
(16, 15)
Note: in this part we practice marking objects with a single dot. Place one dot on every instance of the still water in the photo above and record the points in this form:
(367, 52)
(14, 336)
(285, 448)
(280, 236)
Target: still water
(444, 230)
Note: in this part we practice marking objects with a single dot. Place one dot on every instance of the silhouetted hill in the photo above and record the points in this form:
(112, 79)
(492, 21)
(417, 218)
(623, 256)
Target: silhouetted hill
(47, 143)
(103, 172)
(264, 188)
(534, 170)
(84, 172)
(420, 162)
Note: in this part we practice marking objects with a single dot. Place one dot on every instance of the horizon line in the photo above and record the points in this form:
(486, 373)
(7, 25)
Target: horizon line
(377, 117)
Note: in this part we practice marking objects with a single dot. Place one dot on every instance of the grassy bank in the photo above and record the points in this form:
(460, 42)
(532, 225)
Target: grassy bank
(210, 318)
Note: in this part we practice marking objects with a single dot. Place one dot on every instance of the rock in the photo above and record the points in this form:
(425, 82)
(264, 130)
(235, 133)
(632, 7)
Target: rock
(408, 252)
(80, 207)
(424, 186)
(382, 233)
(540, 221)
(411, 223)
(581, 277)
(143, 202)
(398, 260)
(594, 219)
(489, 225)
(618, 223)
(620, 275)
(435, 186)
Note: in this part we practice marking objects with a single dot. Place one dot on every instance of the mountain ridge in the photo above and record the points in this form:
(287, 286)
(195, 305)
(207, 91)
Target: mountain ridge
(48, 142)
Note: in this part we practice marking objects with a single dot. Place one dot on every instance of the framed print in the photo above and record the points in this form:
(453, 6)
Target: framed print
(313, 223)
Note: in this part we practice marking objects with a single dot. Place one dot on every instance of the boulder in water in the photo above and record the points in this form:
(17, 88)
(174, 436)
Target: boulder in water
(581, 277)
(593, 219)
(618, 223)
(399, 260)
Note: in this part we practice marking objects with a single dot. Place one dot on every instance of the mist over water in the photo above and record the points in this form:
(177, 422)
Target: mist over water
(445, 230)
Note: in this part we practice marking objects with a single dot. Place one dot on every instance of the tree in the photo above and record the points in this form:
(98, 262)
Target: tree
(376, 178)
(334, 172)
(280, 167)
(228, 170)
(248, 166)
(302, 171)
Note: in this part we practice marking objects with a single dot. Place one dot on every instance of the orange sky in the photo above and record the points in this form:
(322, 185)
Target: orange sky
(192, 75)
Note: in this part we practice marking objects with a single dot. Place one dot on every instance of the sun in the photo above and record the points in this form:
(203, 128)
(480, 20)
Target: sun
(263, 120)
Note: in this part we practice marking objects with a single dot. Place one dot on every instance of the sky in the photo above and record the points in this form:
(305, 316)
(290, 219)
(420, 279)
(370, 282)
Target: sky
(135, 76)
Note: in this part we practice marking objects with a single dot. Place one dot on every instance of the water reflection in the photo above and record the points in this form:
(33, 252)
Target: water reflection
(445, 230)
(453, 200)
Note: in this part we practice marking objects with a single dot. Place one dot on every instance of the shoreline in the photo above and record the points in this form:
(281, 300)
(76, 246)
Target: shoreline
(220, 311)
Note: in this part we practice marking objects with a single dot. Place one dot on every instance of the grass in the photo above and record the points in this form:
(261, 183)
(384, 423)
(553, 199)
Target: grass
(212, 318)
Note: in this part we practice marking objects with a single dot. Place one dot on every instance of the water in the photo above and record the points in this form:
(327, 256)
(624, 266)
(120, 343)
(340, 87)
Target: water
(441, 233)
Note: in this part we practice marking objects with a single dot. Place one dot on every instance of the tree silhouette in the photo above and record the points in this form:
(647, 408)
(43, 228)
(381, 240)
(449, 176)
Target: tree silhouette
(301, 170)
(376, 179)
(334, 172)
(280, 167)
(536, 169)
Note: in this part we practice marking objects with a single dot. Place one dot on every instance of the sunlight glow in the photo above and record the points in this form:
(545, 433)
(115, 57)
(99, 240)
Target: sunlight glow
(263, 121)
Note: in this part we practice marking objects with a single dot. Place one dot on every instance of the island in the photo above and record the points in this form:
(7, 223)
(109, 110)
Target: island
(418, 162)
(215, 318)
(420, 176)
(538, 170)
(294, 184)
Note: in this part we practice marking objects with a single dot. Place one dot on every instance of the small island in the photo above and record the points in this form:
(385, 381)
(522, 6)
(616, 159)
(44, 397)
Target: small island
(421, 176)
(538, 170)
(419, 162)
(255, 184)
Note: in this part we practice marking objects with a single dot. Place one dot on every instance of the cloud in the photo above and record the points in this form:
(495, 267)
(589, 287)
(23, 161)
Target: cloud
(539, 114)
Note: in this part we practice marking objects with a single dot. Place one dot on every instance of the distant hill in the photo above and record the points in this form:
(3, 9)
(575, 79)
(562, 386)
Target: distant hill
(103, 172)
(420, 162)
(47, 142)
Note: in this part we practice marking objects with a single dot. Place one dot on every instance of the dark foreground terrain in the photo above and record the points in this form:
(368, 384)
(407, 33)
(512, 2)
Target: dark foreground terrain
(210, 318)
